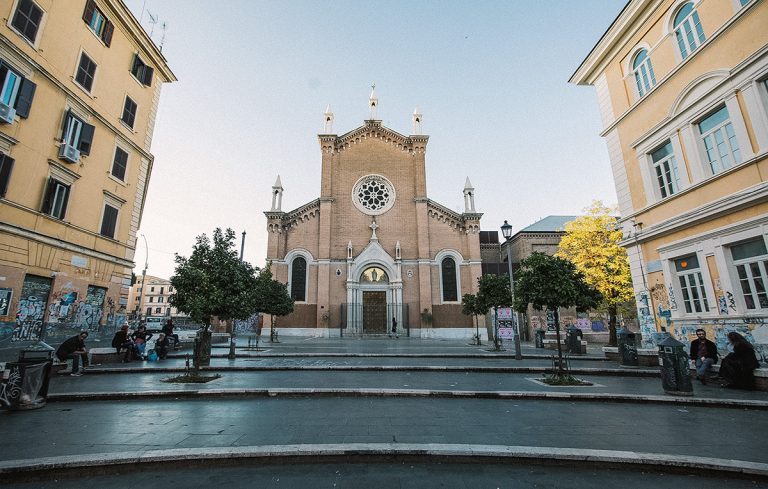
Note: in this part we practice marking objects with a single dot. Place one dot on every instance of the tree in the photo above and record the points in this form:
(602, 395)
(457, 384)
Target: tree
(591, 242)
(552, 282)
(470, 306)
(494, 292)
(273, 298)
(213, 282)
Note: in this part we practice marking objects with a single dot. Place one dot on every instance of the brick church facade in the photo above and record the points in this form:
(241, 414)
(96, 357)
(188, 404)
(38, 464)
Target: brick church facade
(374, 247)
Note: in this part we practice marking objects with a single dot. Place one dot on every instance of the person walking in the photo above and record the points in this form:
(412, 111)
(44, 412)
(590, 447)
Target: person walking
(704, 354)
(74, 348)
(393, 332)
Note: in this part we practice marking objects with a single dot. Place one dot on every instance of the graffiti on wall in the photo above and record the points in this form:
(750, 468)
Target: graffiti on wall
(63, 304)
(31, 308)
(646, 319)
(88, 312)
(717, 330)
(247, 326)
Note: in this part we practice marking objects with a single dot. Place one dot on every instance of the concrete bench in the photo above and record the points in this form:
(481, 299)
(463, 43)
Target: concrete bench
(552, 345)
(761, 376)
(646, 357)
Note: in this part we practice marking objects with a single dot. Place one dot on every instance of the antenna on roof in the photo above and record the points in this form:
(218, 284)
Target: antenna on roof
(162, 39)
(152, 22)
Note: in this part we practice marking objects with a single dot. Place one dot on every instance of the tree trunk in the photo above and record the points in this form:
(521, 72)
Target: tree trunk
(202, 353)
(612, 326)
(559, 346)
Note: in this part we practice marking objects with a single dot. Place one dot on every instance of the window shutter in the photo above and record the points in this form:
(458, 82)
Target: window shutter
(66, 201)
(48, 200)
(148, 72)
(90, 6)
(106, 34)
(6, 164)
(135, 65)
(86, 138)
(24, 99)
(67, 115)
(109, 221)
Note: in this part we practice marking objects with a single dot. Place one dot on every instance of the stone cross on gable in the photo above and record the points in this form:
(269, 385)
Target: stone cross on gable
(374, 227)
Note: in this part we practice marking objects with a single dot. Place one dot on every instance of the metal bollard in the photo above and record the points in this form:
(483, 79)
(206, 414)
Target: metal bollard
(673, 363)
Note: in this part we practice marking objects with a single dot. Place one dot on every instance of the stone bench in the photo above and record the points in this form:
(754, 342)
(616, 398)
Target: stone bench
(552, 345)
(646, 357)
(761, 376)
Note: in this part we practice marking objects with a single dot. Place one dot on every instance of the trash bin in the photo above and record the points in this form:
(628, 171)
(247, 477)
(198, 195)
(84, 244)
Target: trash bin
(25, 383)
(539, 337)
(573, 337)
(673, 363)
(627, 347)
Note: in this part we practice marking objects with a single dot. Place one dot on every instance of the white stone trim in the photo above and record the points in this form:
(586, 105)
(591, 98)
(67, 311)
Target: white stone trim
(604, 102)
(619, 170)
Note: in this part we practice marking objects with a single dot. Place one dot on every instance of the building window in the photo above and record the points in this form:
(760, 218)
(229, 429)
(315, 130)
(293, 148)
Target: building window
(27, 19)
(665, 169)
(86, 71)
(158, 310)
(644, 77)
(141, 71)
(6, 165)
(150, 299)
(161, 299)
(299, 279)
(16, 94)
(119, 164)
(162, 290)
(691, 284)
(720, 141)
(97, 22)
(109, 221)
(448, 270)
(751, 261)
(129, 112)
(151, 289)
(688, 30)
(77, 133)
(56, 198)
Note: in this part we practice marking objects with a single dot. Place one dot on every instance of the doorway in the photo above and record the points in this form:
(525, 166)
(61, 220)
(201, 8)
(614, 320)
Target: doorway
(374, 312)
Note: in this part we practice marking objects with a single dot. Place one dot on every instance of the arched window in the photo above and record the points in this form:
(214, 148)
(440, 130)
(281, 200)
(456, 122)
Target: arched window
(299, 279)
(688, 30)
(644, 77)
(448, 272)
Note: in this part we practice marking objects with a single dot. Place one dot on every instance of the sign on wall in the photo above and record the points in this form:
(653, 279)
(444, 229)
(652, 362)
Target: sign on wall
(5, 301)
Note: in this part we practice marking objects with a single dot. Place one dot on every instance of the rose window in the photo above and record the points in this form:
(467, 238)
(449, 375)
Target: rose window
(373, 194)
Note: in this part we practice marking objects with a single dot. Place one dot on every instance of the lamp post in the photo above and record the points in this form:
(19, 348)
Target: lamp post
(143, 276)
(506, 231)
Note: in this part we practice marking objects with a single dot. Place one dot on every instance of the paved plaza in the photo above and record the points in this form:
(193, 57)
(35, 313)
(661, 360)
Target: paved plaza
(395, 413)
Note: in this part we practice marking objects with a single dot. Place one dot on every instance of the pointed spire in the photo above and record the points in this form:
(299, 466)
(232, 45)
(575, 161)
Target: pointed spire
(328, 115)
(277, 195)
(469, 197)
(417, 117)
(373, 102)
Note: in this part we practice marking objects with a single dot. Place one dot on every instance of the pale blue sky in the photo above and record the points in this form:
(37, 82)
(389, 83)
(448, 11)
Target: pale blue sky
(490, 78)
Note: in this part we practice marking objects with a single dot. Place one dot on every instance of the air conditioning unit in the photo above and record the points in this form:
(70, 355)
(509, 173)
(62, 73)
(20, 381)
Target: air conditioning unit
(7, 113)
(69, 153)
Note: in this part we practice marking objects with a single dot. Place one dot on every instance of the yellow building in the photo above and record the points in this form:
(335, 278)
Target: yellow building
(154, 300)
(683, 95)
(80, 82)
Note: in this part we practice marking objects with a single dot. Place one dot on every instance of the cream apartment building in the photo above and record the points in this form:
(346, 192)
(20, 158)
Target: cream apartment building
(682, 87)
(80, 82)
(152, 300)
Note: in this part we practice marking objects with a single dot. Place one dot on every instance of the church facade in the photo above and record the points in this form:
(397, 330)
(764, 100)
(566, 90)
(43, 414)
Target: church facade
(373, 251)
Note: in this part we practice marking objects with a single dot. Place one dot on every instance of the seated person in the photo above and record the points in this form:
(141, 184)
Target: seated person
(737, 368)
(74, 348)
(704, 353)
(168, 332)
(140, 338)
(123, 342)
(161, 346)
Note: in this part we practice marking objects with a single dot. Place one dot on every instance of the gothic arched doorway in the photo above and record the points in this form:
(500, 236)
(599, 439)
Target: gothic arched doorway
(374, 284)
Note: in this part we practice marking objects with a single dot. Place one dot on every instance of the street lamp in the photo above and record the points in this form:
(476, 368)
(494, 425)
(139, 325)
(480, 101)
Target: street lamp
(143, 276)
(506, 231)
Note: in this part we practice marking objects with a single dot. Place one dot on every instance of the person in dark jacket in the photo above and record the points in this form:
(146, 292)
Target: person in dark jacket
(168, 332)
(74, 348)
(140, 338)
(704, 353)
(737, 369)
(161, 346)
(122, 342)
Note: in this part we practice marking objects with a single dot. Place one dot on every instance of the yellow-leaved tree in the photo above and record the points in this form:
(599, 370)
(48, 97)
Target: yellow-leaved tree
(591, 242)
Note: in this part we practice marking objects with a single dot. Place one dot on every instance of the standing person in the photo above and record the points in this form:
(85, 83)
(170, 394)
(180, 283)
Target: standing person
(704, 353)
(122, 341)
(140, 338)
(738, 366)
(168, 332)
(74, 348)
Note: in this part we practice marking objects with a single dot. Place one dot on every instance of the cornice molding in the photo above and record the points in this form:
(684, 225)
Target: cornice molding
(278, 222)
(453, 219)
(373, 129)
